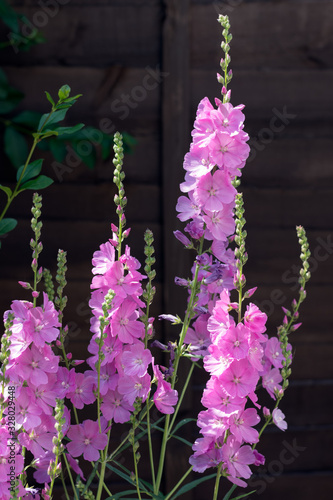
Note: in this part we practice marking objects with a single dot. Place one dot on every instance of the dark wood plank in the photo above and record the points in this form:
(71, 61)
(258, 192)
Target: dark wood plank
(266, 35)
(94, 202)
(261, 92)
(123, 34)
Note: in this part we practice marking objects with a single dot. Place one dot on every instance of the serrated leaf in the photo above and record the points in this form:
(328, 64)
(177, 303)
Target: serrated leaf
(69, 130)
(7, 225)
(16, 147)
(32, 170)
(41, 182)
(7, 190)
(191, 485)
(56, 116)
(29, 118)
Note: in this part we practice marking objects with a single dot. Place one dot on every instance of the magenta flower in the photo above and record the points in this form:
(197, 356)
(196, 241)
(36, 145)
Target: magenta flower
(241, 425)
(235, 342)
(273, 352)
(116, 407)
(213, 423)
(87, 440)
(238, 458)
(220, 224)
(125, 323)
(43, 323)
(136, 360)
(214, 191)
(34, 364)
(239, 379)
(215, 396)
(187, 208)
(279, 419)
(134, 387)
(83, 392)
(165, 398)
(103, 259)
(270, 381)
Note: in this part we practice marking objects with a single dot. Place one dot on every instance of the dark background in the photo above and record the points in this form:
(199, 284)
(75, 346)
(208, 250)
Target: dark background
(282, 59)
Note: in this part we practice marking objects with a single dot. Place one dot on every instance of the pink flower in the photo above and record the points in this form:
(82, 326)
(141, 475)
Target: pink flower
(235, 342)
(273, 352)
(213, 191)
(116, 407)
(199, 338)
(213, 423)
(87, 440)
(203, 461)
(43, 323)
(83, 392)
(125, 323)
(271, 380)
(255, 320)
(241, 425)
(34, 364)
(220, 224)
(238, 458)
(187, 208)
(134, 387)
(136, 360)
(279, 419)
(215, 396)
(103, 259)
(165, 398)
(239, 379)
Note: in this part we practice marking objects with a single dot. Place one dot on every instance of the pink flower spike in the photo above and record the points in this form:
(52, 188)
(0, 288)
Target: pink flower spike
(279, 419)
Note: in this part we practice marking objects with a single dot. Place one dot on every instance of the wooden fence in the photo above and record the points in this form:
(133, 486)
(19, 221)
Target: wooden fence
(142, 67)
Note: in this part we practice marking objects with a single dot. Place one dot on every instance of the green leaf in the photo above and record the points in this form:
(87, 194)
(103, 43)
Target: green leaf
(16, 147)
(69, 130)
(228, 495)
(7, 190)
(44, 135)
(49, 98)
(88, 155)
(41, 182)
(191, 485)
(121, 494)
(7, 225)
(9, 16)
(56, 116)
(64, 92)
(28, 118)
(11, 100)
(58, 149)
(245, 495)
(181, 423)
(127, 477)
(32, 170)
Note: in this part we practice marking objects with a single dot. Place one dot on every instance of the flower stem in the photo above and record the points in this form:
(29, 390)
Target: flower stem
(217, 481)
(181, 480)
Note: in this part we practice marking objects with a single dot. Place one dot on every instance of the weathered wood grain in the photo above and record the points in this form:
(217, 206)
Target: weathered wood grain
(263, 91)
(266, 35)
(126, 34)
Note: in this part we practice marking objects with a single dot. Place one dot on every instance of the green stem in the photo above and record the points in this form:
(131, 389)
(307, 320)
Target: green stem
(181, 396)
(217, 481)
(151, 455)
(33, 147)
(70, 477)
(136, 471)
(64, 485)
(179, 483)
(101, 483)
